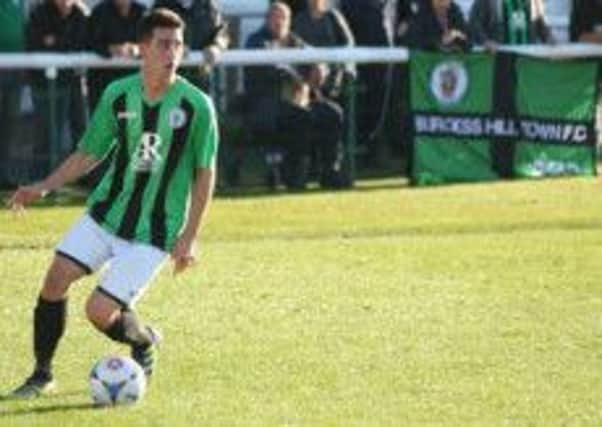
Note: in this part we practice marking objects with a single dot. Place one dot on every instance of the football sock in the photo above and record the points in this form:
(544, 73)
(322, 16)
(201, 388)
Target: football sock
(48, 328)
(127, 329)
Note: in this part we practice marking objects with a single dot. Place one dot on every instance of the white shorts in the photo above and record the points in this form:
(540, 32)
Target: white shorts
(131, 265)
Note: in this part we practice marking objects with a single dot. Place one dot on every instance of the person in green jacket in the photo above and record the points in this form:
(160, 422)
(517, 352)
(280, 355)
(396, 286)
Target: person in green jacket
(11, 40)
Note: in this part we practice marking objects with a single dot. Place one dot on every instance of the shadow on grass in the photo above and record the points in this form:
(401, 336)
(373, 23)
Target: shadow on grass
(43, 405)
(47, 409)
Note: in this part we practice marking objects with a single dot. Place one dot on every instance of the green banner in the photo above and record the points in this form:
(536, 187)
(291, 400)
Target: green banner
(562, 94)
(480, 117)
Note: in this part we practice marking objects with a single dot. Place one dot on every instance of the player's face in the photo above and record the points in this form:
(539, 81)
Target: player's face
(162, 53)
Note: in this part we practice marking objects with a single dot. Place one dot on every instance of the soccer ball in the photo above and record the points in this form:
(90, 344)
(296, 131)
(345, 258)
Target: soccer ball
(117, 380)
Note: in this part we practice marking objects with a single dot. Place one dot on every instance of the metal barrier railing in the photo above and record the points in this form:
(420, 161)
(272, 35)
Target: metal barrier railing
(53, 62)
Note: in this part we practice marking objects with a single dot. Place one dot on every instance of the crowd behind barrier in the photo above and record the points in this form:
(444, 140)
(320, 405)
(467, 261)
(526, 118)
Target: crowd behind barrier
(353, 95)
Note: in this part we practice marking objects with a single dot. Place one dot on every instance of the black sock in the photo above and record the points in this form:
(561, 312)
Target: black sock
(127, 330)
(48, 328)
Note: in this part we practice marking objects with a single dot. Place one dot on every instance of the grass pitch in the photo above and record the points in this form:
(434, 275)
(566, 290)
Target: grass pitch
(383, 306)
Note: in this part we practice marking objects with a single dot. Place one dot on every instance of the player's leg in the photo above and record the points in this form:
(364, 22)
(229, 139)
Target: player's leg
(49, 322)
(110, 307)
(82, 251)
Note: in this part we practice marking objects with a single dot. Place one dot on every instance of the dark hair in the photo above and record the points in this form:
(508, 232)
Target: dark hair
(158, 18)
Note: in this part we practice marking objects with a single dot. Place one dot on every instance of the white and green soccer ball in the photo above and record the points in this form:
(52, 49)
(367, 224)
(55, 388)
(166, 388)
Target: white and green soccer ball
(117, 380)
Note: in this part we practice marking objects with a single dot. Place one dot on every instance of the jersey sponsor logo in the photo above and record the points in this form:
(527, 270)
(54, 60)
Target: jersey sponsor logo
(449, 82)
(147, 157)
(177, 118)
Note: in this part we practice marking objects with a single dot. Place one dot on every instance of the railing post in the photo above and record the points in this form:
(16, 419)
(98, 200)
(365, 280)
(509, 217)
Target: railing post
(351, 129)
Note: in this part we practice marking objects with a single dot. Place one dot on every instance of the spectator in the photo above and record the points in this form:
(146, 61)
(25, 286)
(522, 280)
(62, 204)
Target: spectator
(320, 25)
(586, 21)
(263, 83)
(283, 109)
(59, 26)
(112, 34)
(11, 40)
(205, 30)
(439, 25)
(509, 22)
(373, 23)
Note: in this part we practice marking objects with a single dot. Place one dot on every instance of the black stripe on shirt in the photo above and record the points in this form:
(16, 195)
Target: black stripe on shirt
(127, 229)
(159, 214)
(121, 160)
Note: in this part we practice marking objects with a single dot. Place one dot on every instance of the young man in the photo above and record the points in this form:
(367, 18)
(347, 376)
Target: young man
(160, 134)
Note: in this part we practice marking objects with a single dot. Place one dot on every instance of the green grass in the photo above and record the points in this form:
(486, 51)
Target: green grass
(475, 305)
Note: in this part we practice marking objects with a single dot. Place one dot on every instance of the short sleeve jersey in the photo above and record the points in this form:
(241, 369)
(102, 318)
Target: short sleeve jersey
(154, 150)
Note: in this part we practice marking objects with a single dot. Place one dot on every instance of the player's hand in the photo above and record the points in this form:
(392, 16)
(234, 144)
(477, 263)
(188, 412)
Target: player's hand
(183, 254)
(26, 195)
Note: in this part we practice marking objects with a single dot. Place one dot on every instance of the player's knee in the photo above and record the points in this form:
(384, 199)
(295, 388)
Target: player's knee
(100, 313)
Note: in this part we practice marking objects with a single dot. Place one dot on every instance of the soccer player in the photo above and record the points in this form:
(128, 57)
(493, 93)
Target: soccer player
(160, 133)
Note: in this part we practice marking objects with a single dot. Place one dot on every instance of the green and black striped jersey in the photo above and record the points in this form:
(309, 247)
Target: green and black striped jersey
(154, 149)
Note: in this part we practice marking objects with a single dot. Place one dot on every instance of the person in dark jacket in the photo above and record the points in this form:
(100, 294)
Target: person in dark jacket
(263, 84)
(206, 30)
(323, 26)
(378, 23)
(282, 109)
(439, 25)
(59, 26)
(112, 34)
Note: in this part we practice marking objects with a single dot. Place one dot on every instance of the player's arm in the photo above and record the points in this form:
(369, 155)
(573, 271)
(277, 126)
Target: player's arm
(75, 166)
(202, 192)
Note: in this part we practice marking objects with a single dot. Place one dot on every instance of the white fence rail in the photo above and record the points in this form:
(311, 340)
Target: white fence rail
(53, 61)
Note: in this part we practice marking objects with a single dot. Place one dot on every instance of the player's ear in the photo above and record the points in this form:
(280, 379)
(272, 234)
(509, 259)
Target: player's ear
(144, 45)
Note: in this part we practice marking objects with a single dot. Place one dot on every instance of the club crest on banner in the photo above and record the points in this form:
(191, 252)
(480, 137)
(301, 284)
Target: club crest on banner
(449, 82)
